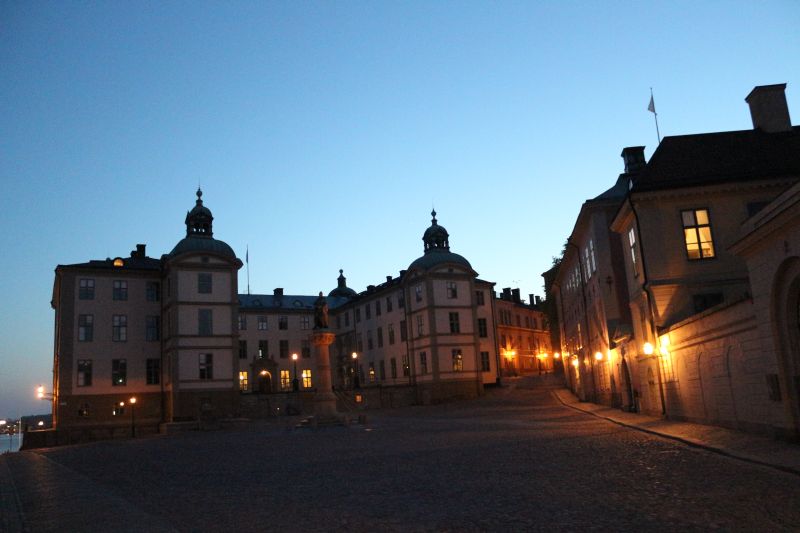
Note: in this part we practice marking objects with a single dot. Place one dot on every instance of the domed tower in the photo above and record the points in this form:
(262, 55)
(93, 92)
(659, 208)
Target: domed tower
(436, 237)
(342, 290)
(200, 310)
(437, 248)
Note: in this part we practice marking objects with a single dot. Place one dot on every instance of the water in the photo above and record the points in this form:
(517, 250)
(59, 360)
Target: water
(14, 443)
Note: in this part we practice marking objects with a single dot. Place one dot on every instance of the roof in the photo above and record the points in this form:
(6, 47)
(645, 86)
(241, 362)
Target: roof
(287, 302)
(437, 256)
(128, 263)
(710, 158)
(202, 244)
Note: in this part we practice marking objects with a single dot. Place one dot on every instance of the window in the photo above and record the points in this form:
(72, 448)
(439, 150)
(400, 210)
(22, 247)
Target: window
(119, 372)
(206, 365)
(152, 328)
(204, 322)
(377, 308)
(306, 375)
(153, 371)
(401, 300)
(388, 304)
(242, 322)
(85, 328)
(452, 290)
(382, 368)
(283, 349)
(406, 368)
(371, 372)
(243, 381)
(485, 361)
(120, 290)
(152, 291)
(263, 349)
(286, 380)
(482, 329)
(418, 293)
(119, 328)
(283, 322)
(420, 324)
(242, 349)
(262, 322)
(527, 322)
(369, 339)
(86, 289)
(84, 372)
(479, 297)
(119, 408)
(305, 349)
(454, 325)
(423, 363)
(83, 410)
(592, 257)
(380, 337)
(697, 234)
(367, 312)
(632, 244)
(204, 283)
(305, 322)
(458, 360)
(358, 315)
(403, 331)
(393, 367)
(346, 319)
(390, 331)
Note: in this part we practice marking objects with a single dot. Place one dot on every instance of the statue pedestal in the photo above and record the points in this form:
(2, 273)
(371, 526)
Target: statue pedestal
(324, 400)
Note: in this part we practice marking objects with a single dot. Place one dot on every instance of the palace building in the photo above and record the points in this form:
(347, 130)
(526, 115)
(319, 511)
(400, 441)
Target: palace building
(173, 339)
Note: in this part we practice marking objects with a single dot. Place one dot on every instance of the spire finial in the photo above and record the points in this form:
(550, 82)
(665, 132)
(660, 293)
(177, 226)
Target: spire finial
(341, 272)
(199, 195)
(433, 216)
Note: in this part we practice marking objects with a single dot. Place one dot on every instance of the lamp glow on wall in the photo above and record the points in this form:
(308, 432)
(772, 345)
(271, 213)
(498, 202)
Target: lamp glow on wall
(575, 362)
(598, 356)
(648, 348)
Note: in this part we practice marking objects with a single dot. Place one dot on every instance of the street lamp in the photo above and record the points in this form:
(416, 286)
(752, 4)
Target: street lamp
(295, 383)
(132, 401)
(356, 384)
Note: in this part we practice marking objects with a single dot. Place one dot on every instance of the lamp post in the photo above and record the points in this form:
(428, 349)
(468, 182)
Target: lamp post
(356, 384)
(132, 401)
(295, 383)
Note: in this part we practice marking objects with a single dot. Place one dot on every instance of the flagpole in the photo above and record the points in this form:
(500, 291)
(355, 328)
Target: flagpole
(655, 115)
(247, 260)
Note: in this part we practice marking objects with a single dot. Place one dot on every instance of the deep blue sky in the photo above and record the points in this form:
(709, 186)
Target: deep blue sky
(322, 132)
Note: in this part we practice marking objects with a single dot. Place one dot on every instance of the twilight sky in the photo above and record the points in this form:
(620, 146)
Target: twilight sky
(322, 132)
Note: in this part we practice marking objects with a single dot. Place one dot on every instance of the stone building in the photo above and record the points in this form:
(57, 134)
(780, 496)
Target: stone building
(708, 232)
(523, 335)
(144, 342)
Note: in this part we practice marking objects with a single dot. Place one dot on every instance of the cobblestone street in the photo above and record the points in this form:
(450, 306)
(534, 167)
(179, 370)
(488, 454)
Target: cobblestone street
(516, 459)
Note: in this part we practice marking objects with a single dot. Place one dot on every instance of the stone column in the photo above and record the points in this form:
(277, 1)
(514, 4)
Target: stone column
(325, 400)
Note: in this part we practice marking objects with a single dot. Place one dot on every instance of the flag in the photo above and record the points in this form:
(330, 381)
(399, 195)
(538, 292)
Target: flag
(652, 106)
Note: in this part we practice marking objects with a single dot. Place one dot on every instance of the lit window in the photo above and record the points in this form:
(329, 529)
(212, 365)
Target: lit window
(262, 322)
(697, 234)
(286, 380)
(243, 380)
(119, 262)
(371, 372)
(306, 375)
(458, 360)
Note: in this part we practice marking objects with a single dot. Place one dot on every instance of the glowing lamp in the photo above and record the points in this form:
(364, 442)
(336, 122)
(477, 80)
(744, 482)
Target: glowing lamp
(575, 363)
(132, 400)
(648, 348)
(40, 392)
(598, 356)
(294, 357)
(354, 355)
(556, 355)
(263, 373)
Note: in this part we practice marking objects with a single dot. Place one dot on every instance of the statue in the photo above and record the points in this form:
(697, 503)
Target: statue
(321, 312)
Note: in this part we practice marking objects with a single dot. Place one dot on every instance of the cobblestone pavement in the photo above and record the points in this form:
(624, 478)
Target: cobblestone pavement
(516, 459)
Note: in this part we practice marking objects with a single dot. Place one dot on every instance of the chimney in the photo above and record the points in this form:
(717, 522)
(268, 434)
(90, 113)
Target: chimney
(506, 294)
(768, 108)
(538, 300)
(634, 158)
(277, 292)
(370, 288)
(515, 295)
(388, 279)
(531, 299)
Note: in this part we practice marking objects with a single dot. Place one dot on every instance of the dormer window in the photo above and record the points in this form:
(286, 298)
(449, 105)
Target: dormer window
(118, 262)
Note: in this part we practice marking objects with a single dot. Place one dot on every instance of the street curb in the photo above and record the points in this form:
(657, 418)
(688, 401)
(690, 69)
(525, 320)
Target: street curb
(693, 444)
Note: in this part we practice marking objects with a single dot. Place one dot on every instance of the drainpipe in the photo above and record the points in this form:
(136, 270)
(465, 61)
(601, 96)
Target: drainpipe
(649, 295)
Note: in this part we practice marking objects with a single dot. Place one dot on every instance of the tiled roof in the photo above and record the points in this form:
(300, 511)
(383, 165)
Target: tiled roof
(128, 263)
(709, 158)
(288, 302)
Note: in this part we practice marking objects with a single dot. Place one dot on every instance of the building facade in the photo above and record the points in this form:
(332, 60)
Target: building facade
(523, 335)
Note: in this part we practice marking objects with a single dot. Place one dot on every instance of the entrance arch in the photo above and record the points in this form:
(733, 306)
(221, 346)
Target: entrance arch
(264, 382)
